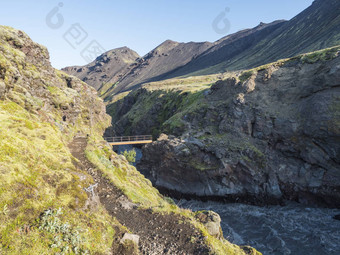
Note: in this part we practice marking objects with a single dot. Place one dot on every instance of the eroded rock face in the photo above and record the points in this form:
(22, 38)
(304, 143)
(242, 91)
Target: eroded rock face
(212, 221)
(274, 136)
(129, 244)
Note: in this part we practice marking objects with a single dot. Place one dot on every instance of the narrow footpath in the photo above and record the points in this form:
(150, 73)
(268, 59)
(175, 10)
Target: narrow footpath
(159, 234)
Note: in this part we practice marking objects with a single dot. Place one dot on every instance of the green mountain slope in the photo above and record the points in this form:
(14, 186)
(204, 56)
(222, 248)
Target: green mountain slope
(62, 188)
(315, 28)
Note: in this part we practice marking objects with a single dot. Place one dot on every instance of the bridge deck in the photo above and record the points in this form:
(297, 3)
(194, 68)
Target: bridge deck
(124, 140)
(132, 142)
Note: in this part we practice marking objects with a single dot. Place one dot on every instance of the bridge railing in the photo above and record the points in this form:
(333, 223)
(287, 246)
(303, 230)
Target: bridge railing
(136, 138)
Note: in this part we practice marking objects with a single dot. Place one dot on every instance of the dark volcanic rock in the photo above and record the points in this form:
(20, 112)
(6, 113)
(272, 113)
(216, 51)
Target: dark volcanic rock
(181, 168)
(274, 136)
(212, 221)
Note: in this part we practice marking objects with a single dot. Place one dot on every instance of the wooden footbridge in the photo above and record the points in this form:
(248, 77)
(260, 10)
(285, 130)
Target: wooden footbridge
(123, 140)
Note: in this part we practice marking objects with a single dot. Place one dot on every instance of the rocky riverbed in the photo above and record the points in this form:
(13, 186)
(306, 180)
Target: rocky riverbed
(289, 229)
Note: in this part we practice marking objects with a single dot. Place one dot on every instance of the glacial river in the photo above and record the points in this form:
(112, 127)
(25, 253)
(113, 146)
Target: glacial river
(274, 230)
(291, 229)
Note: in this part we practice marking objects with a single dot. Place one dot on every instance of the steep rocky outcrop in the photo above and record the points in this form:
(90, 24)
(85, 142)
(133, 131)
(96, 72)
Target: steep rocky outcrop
(268, 134)
(62, 188)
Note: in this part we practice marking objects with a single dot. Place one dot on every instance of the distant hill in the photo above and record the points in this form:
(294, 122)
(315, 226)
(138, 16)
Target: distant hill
(315, 28)
(107, 68)
(111, 75)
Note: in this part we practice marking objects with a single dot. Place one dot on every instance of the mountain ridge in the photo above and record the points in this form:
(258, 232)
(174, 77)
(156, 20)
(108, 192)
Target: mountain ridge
(315, 28)
(288, 40)
(98, 72)
(165, 57)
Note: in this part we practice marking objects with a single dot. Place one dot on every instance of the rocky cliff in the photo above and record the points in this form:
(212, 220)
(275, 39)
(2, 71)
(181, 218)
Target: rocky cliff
(62, 188)
(263, 135)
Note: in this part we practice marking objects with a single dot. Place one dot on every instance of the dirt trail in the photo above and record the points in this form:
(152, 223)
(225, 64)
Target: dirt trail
(159, 234)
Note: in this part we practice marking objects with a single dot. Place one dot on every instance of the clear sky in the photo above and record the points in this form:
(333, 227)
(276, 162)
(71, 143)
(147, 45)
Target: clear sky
(140, 25)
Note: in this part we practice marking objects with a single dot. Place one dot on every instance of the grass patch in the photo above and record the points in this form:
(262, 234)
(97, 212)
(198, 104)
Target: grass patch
(245, 75)
(36, 169)
(140, 191)
(321, 55)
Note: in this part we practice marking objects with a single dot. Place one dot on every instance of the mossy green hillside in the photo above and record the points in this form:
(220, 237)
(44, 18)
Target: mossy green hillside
(183, 84)
(37, 173)
(41, 110)
(36, 166)
(165, 109)
(140, 191)
(309, 58)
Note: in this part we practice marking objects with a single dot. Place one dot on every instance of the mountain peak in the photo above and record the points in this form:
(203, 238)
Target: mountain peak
(124, 53)
(170, 42)
(165, 46)
(107, 68)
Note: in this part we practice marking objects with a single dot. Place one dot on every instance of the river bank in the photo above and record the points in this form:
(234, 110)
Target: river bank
(289, 229)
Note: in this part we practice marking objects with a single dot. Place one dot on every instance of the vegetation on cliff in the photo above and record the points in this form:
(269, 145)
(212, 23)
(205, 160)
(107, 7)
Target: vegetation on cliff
(170, 101)
(249, 122)
(37, 171)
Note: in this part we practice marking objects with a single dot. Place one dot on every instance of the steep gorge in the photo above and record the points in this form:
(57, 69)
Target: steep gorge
(260, 136)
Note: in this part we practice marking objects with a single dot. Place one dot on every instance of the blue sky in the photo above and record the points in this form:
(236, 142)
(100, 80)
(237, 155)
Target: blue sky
(140, 25)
